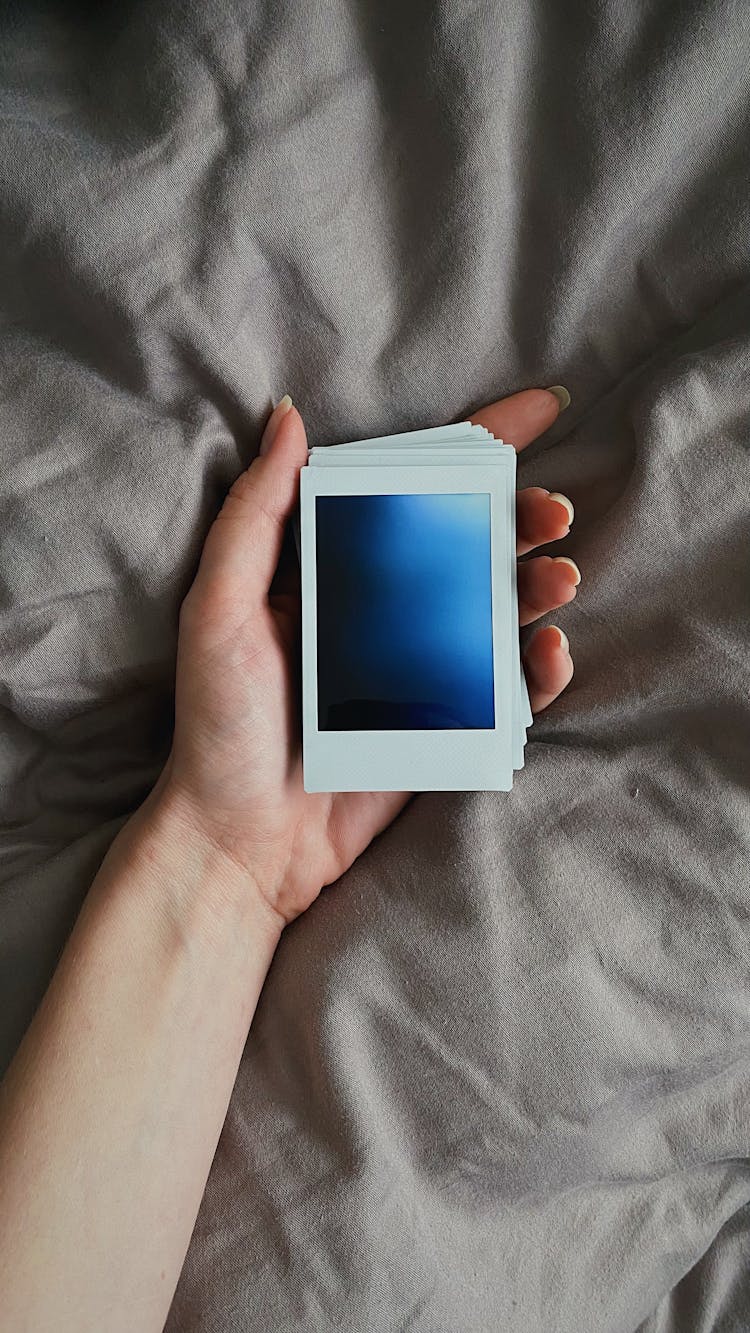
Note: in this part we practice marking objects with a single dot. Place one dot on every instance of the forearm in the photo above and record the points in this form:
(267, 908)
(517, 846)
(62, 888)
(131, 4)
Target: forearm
(111, 1112)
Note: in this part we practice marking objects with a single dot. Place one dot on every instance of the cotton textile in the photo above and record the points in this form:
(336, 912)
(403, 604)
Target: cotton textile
(499, 1078)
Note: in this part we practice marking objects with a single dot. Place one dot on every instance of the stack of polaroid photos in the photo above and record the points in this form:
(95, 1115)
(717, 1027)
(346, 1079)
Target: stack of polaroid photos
(411, 668)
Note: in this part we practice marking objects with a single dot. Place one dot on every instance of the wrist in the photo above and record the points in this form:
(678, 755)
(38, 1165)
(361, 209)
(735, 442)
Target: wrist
(196, 884)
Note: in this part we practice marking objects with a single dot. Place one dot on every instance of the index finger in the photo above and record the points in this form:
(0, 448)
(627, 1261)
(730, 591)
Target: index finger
(523, 416)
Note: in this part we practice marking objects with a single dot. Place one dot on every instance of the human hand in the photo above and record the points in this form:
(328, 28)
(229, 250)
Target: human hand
(234, 776)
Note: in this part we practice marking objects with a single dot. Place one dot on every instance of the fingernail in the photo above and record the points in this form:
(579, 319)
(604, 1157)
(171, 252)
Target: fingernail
(561, 394)
(566, 560)
(273, 423)
(565, 502)
(564, 642)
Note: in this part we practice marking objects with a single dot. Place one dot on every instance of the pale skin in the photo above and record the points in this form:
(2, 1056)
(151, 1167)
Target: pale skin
(111, 1111)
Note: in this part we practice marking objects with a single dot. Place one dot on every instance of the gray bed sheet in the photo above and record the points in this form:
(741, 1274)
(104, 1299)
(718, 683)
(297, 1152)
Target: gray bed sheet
(499, 1075)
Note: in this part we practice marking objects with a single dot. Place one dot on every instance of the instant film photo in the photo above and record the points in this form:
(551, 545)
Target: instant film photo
(411, 669)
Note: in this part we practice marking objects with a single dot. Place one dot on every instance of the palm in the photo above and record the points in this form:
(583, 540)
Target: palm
(237, 749)
(242, 749)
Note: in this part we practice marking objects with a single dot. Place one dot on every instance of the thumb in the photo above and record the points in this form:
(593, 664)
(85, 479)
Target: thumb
(244, 542)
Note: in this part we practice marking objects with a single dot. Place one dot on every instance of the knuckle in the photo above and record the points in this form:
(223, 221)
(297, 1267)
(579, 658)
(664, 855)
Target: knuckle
(243, 487)
(187, 610)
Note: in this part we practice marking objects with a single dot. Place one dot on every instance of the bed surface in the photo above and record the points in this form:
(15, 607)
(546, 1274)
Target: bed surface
(499, 1076)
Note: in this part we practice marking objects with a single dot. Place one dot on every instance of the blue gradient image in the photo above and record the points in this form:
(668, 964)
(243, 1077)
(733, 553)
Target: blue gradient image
(404, 601)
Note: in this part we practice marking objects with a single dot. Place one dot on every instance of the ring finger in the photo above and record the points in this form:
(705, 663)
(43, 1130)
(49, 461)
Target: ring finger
(545, 583)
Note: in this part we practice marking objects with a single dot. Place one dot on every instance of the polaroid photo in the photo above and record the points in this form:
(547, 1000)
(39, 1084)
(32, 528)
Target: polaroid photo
(427, 447)
(411, 673)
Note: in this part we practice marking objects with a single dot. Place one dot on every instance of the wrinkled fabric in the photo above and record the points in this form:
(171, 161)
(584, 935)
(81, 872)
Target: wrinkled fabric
(499, 1077)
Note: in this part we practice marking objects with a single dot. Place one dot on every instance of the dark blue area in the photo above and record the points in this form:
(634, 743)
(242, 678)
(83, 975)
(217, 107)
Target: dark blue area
(404, 612)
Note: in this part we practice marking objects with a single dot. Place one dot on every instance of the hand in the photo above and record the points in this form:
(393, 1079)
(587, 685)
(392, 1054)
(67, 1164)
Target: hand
(234, 776)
